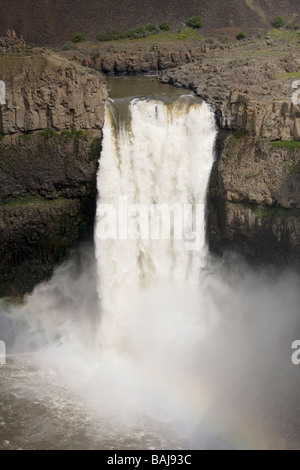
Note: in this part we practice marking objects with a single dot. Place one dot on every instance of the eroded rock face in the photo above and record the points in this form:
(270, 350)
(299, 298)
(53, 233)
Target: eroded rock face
(44, 90)
(128, 60)
(50, 144)
(49, 165)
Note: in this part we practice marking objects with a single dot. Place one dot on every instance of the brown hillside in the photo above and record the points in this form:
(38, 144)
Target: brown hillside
(53, 22)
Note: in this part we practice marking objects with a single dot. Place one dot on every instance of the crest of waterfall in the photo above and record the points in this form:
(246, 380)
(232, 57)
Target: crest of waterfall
(152, 183)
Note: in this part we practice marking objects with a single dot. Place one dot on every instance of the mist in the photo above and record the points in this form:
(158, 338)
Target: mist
(212, 365)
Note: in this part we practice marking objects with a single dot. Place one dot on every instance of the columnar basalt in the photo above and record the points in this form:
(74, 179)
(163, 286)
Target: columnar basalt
(51, 120)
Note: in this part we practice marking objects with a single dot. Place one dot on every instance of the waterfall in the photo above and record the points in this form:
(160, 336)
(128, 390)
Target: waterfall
(150, 226)
(190, 353)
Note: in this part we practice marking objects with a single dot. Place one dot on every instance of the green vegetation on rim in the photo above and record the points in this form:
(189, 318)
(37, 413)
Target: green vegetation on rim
(286, 144)
(268, 214)
(194, 22)
(278, 22)
(240, 134)
(66, 134)
(135, 33)
(150, 32)
(47, 132)
(241, 35)
(164, 26)
(271, 214)
(27, 198)
(289, 75)
(78, 37)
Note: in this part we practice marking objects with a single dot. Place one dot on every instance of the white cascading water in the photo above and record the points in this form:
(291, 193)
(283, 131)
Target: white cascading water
(187, 356)
(164, 156)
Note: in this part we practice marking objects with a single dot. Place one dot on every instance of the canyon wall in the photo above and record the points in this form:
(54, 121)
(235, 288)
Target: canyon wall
(254, 200)
(50, 138)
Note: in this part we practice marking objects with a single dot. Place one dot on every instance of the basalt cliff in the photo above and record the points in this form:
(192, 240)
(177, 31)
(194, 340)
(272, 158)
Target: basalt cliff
(50, 129)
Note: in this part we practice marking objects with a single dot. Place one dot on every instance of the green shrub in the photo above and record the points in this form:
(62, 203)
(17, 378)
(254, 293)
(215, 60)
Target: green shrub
(240, 134)
(164, 26)
(151, 28)
(66, 47)
(48, 133)
(286, 144)
(1, 136)
(26, 135)
(194, 22)
(241, 35)
(278, 22)
(78, 37)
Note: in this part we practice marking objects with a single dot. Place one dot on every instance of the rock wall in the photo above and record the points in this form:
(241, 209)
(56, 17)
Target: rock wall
(50, 143)
(133, 60)
(254, 200)
(44, 90)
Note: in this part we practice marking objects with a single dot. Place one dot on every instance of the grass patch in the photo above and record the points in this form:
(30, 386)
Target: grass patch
(287, 34)
(135, 33)
(25, 136)
(289, 75)
(47, 132)
(66, 134)
(240, 134)
(271, 214)
(155, 35)
(73, 134)
(21, 201)
(264, 53)
(268, 214)
(286, 144)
